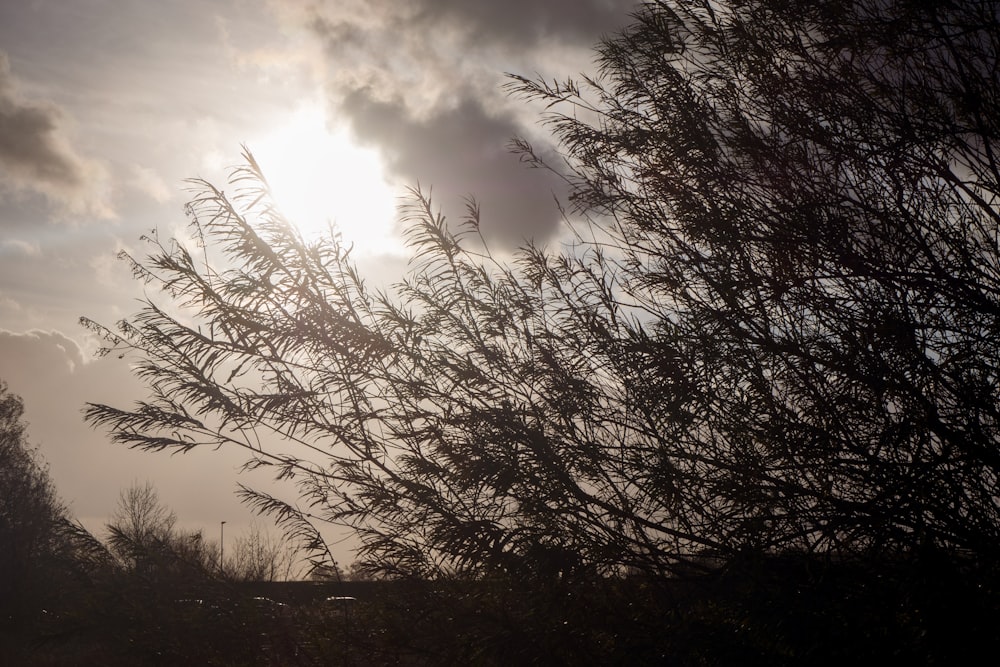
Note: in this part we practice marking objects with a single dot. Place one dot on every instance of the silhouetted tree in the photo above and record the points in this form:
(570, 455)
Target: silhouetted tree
(144, 538)
(32, 518)
(139, 524)
(260, 556)
(777, 326)
(801, 205)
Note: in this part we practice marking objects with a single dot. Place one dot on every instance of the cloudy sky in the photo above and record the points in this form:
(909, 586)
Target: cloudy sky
(106, 106)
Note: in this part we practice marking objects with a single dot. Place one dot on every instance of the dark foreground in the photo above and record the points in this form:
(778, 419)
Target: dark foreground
(776, 611)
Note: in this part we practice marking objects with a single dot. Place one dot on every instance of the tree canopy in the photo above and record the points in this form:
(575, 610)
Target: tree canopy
(30, 512)
(45, 558)
(776, 326)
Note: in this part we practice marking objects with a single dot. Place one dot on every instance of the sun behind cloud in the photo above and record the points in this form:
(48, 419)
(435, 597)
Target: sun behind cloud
(319, 175)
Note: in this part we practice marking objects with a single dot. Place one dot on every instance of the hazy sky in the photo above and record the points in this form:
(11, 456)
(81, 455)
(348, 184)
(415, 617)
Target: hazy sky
(106, 106)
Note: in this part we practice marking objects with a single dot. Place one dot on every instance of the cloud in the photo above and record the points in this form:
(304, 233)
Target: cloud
(516, 23)
(36, 155)
(437, 50)
(460, 152)
(41, 349)
(55, 377)
(108, 270)
(150, 183)
(422, 81)
(23, 247)
(8, 305)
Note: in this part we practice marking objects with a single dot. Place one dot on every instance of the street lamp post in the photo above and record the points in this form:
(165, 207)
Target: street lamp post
(222, 544)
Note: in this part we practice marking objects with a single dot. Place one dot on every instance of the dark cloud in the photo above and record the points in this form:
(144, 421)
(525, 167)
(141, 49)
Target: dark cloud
(437, 49)
(27, 141)
(523, 23)
(35, 154)
(423, 81)
(461, 152)
(514, 24)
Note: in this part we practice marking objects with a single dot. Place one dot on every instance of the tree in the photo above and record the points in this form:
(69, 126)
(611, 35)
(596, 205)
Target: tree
(139, 523)
(777, 328)
(32, 517)
(143, 536)
(260, 556)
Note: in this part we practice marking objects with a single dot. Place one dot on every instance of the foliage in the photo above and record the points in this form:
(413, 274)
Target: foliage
(143, 537)
(50, 567)
(33, 523)
(777, 328)
(162, 597)
(139, 524)
(260, 556)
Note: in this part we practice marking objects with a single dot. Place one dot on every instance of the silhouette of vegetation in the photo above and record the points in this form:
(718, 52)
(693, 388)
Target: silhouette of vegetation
(45, 558)
(30, 518)
(29, 509)
(152, 595)
(774, 335)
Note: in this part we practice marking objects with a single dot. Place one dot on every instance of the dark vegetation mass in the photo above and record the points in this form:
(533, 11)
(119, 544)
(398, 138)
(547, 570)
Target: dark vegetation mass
(747, 413)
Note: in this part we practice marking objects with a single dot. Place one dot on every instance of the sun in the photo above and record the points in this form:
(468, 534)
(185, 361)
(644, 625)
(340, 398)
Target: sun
(319, 175)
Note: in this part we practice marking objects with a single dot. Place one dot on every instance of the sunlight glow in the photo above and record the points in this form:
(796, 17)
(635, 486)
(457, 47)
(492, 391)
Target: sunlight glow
(319, 175)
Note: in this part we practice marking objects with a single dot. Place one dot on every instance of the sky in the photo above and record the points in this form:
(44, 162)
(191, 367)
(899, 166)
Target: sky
(108, 106)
